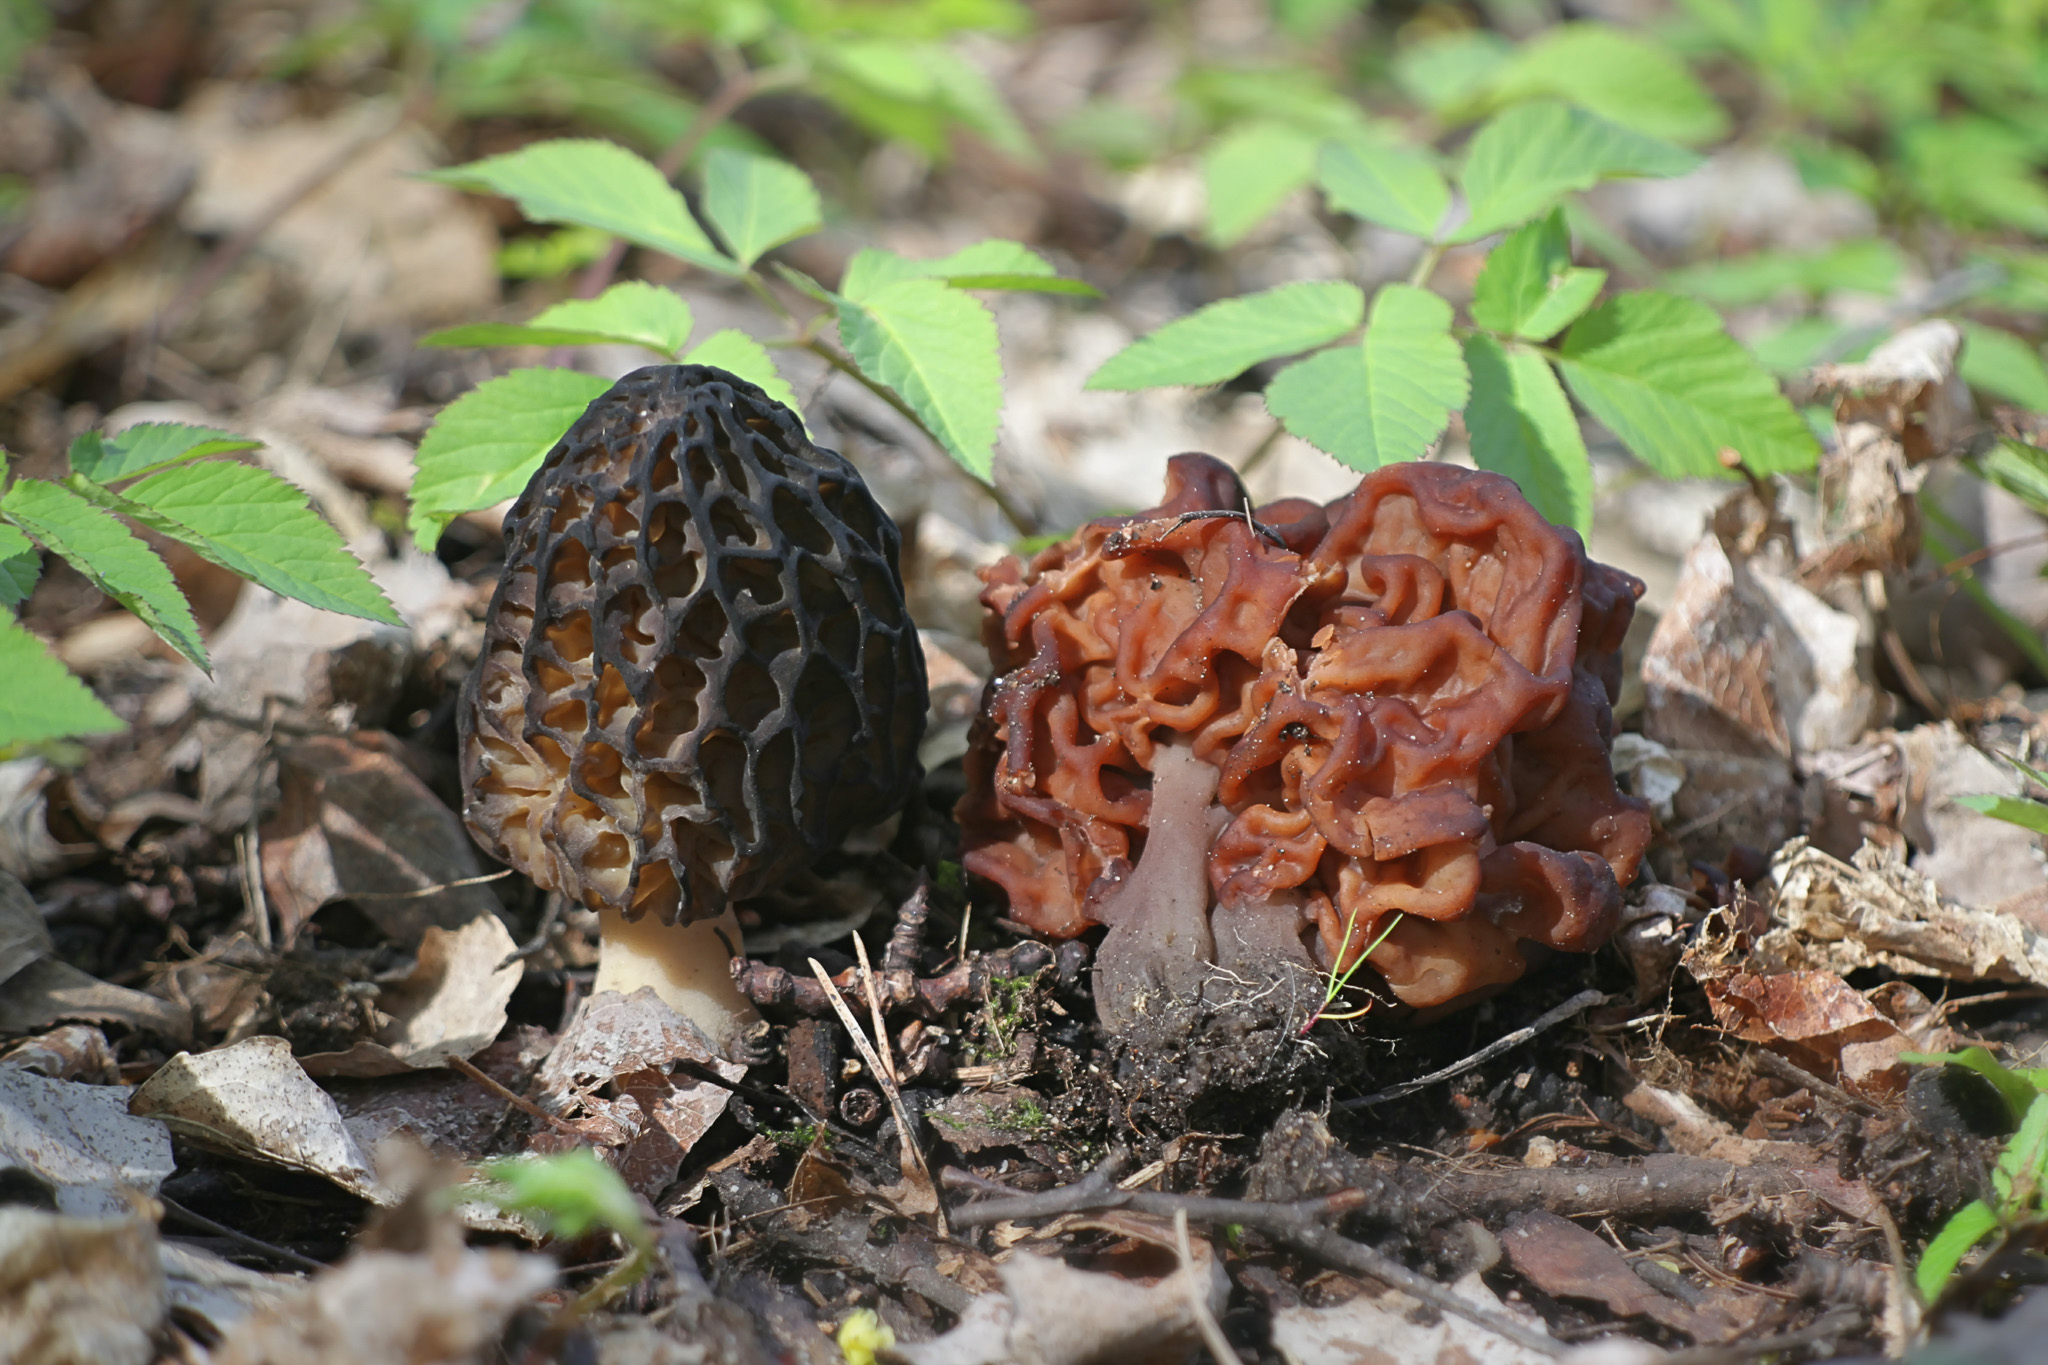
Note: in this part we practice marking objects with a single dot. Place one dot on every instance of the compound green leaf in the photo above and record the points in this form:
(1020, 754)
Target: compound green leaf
(113, 557)
(936, 348)
(1665, 377)
(20, 565)
(486, 444)
(1625, 78)
(636, 313)
(253, 523)
(1249, 170)
(1394, 186)
(1387, 398)
(737, 353)
(1225, 339)
(993, 264)
(1527, 157)
(2003, 365)
(1868, 265)
(2020, 469)
(1522, 425)
(594, 184)
(757, 202)
(148, 446)
(40, 699)
(1529, 287)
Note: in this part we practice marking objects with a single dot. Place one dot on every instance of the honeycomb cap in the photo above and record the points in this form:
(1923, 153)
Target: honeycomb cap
(698, 669)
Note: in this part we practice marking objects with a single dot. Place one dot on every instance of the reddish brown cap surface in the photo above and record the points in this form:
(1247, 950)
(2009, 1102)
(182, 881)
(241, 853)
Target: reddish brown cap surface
(1408, 694)
(698, 669)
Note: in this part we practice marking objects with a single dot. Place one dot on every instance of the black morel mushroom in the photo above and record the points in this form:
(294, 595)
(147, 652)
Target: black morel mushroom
(698, 672)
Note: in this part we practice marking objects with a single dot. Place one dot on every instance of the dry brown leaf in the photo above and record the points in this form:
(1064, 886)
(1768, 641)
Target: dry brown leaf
(82, 1142)
(450, 1003)
(353, 822)
(1049, 1313)
(78, 1291)
(254, 1100)
(38, 990)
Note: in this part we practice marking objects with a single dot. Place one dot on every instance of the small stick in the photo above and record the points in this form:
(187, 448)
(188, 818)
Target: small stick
(515, 1099)
(551, 912)
(249, 845)
(910, 1156)
(421, 892)
(1198, 1301)
(1578, 1004)
(241, 1239)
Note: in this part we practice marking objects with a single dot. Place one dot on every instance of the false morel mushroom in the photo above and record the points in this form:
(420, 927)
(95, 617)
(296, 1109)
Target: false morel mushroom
(698, 673)
(1239, 736)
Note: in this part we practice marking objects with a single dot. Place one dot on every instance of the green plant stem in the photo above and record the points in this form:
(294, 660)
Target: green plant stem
(1020, 521)
(1432, 256)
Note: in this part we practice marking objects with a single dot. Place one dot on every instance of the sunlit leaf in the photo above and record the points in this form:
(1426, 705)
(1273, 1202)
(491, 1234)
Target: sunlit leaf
(485, 445)
(594, 184)
(737, 353)
(636, 313)
(757, 202)
(1224, 339)
(253, 523)
(1387, 398)
(1397, 187)
(936, 348)
(40, 699)
(1526, 157)
(1522, 425)
(117, 561)
(1249, 170)
(148, 446)
(1666, 378)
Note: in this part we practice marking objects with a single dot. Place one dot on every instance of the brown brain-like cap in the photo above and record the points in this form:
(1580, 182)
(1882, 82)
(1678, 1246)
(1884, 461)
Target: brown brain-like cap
(1406, 694)
(698, 669)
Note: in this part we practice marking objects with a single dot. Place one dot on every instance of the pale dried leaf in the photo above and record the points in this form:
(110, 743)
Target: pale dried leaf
(37, 989)
(1384, 1330)
(82, 1141)
(444, 1305)
(78, 1291)
(254, 1100)
(451, 1003)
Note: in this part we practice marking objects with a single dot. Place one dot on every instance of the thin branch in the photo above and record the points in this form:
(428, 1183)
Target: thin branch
(1578, 1004)
(1299, 1225)
(240, 1239)
(1198, 1295)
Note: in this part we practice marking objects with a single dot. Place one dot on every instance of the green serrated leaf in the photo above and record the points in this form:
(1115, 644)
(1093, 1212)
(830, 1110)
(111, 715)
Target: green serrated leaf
(149, 446)
(636, 313)
(1225, 339)
(1026, 284)
(251, 522)
(1387, 398)
(1397, 187)
(486, 444)
(1249, 170)
(1869, 265)
(2013, 810)
(737, 353)
(757, 202)
(873, 268)
(20, 566)
(1624, 77)
(1665, 377)
(2003, 365)
(594, 184)
(40, 699)
(1529, 287)
(1527, 157)
(1522, 425)
(118, 563)
(936, 348)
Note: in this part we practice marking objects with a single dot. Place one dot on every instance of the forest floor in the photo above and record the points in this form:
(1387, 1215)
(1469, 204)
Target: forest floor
(257, 982)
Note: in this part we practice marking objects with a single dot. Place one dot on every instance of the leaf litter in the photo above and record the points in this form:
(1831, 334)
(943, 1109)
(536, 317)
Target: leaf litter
(251, 979)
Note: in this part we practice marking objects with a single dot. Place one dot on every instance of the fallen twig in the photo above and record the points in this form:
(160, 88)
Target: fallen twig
(1578, 1004)
(1299, 1225)
(911, 1156)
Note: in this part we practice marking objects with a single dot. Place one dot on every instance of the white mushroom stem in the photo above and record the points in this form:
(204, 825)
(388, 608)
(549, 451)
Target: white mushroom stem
(687, 965)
